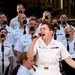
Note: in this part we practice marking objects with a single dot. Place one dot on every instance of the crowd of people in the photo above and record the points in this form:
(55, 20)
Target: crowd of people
(35, 46)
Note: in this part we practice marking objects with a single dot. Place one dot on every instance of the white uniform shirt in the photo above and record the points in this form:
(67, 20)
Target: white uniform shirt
(8, 52)
(10, 30)
(14, 23)
(23, 43)
(23, 71)
(71, 47)
(38, 30)
(60, 35)
(49, 56)
(61, 27)
(16, 34)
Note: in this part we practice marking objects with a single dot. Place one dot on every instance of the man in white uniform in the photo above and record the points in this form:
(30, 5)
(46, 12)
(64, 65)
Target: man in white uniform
(8, 52)
(48, 52)
(14, 23)
(3, 24)
(18, 32)
(24, 41)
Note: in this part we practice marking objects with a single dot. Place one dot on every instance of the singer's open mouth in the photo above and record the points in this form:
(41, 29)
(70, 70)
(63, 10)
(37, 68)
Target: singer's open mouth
(42, 34)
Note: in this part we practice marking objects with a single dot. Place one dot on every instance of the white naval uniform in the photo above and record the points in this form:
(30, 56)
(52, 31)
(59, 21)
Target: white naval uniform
(49, 56)
(16, 34)
(23, 71)
(10, 30)
(71, 47)
(8, 52)
(14, 23)
(60, 35)
(61, 27)
(23, 43)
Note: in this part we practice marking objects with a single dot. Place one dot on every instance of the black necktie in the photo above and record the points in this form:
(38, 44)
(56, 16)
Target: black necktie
(67, 46)
(55, 36)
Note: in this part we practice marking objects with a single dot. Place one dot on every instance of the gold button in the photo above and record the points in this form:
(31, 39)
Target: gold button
(46, 68)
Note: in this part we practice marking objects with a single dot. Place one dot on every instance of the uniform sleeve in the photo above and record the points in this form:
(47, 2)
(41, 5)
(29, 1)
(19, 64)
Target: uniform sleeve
(11, 39)
(11, 52)
(18, 46)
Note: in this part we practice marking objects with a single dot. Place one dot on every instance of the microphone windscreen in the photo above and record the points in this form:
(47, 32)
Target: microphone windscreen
(32, 30)
(63, 22)
(67, 35)
(24, 22)
(39, 34)
(46, 17)
(5, 22)
(2, 36)
(35, 36)
(55, 25)
(20, 11)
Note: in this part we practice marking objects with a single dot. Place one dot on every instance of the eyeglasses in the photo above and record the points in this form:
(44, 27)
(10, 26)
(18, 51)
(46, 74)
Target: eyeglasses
(31, 60)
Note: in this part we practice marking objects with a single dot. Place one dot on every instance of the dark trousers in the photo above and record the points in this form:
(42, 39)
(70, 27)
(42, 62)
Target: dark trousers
(67, 69)
(15, 70)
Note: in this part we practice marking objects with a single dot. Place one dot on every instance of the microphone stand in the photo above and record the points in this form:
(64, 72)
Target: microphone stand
(32, 36)
(67, 38)
(67, 44)
(5, 23)
(24, 30)
(24, 23)
(55, 36)
(2, 48)
(31, 31)
(63, 24)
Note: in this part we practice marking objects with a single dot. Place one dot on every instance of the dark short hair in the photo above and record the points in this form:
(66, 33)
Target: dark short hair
(1, 13)
(50, 26)
(3, 29)
(33, 19)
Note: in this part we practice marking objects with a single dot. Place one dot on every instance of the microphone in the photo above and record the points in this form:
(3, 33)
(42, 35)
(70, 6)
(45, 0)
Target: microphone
(33, 37)
(31, 30)
(5, 23)
(55, 26)
(20, 11)
(67, 36)
(24, 23)
(46, 17)
(64, 24)
(2, 37)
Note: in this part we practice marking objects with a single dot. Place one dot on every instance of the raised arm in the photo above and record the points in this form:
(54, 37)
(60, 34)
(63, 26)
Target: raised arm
(70, 62)
(30, 53)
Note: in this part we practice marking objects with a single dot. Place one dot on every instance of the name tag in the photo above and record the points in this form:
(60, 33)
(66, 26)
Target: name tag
(59, 34)
(42, 47)
(7, 46)
(54, 47)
